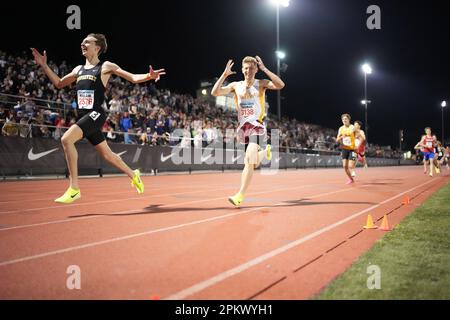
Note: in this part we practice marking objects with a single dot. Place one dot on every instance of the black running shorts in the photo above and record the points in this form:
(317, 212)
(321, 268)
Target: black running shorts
(348, 155)
(91, 124)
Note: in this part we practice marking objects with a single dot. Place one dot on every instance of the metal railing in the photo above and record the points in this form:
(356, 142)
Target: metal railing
(11, 99)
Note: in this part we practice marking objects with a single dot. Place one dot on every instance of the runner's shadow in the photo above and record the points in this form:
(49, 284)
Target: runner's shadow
(307, 202)
(158, 208)
(152, 209)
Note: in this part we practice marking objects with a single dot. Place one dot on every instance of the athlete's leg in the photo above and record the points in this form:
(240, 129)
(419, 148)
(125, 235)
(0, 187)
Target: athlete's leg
(68, 141)
(437, 165)
(345, 164)
(264, 154)
(352, 166)
(365, 161)
(107, 154)
(431, 165)
(251, 161)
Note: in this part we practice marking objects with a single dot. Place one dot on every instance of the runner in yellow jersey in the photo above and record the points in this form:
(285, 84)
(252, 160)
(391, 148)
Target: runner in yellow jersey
(346, 139)
(250, 102)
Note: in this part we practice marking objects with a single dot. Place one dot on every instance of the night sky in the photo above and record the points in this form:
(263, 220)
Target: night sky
(326, 42)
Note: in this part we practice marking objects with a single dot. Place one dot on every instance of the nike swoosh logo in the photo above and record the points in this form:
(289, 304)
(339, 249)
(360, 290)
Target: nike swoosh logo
(277, 159)
(74, 195)
(123, 152)
(319, 161)
(308, 160)
(203, 159)
(165, 158)
(233, 159)
(34, 156)
(293, 160)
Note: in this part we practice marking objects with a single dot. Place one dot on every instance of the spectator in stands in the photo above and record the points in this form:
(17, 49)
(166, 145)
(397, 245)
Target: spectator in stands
(138, 121)
(60, 128)
(125, 125)
(10, 128)
(24, 128)
(145, 137)
(45, 132)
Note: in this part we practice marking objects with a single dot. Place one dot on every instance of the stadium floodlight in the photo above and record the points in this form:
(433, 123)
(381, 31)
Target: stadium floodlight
(283, 3)
(366, 68)
(444, 104)
(280, 54)
(204, 92)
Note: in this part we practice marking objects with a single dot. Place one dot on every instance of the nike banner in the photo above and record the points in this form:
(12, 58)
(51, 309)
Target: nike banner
(19, 157)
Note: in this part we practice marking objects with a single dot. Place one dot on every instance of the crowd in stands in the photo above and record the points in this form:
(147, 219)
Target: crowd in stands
(138, 113)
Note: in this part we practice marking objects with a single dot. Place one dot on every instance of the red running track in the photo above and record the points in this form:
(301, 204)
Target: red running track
(295, 233)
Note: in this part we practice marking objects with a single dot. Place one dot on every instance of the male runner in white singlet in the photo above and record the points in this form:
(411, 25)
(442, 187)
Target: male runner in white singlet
(250, 102)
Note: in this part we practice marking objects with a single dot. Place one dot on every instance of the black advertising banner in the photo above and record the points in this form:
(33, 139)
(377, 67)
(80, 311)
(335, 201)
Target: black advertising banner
(26, 157)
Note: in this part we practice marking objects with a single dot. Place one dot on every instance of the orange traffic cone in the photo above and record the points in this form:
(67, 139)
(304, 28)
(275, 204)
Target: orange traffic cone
(385, 224)
(407, 200)
(369, 223)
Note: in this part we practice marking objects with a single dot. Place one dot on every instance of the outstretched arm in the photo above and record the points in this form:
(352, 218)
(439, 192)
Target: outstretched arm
(112, 68)
(219, 89)
(275, 83)
(58, 82)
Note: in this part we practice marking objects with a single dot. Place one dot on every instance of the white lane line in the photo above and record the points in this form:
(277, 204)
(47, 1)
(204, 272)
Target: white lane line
(231, 272)
(135, 235)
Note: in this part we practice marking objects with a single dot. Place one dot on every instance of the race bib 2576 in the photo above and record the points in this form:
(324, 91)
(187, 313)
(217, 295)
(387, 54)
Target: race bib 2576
(85, 99)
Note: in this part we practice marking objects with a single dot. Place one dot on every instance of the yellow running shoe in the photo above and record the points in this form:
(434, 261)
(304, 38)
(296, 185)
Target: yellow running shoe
(438, 171)
(137, 182)
(237, 199)
(69, 196)
(269, 152)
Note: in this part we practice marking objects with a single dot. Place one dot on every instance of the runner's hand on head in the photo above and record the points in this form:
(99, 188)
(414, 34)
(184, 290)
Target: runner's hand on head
(228, 70)
(261, 65)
